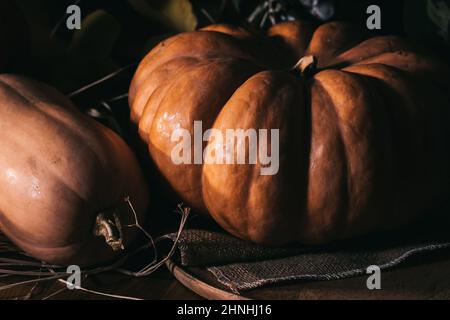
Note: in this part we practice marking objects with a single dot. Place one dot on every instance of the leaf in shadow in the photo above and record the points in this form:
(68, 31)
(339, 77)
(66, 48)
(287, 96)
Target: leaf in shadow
(176, 15)
(97, 37)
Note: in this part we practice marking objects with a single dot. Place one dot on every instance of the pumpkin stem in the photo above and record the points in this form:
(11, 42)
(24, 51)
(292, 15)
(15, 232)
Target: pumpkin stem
(306, 65)
(110, 230)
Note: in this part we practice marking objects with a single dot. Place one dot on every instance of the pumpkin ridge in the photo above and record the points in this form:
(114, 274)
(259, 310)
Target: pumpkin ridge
(378, 45)
(344, 198)
(51, 172)
(252, 188)
(68, 132)
(135, 105)
(420, 67)
(376, 140)
(385, 124)
(160, 93)
(51, 211)
(250, 93)
(346, 218)
(151, 107)
(414, 106)
(35, 105)
(61, 123)
(339, 37)
(394, 99)
(230, 43)
(236, 71)
(55, 175)
(173, 85)
(143, 72)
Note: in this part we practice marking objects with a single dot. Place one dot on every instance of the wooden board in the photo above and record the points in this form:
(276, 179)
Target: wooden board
(159, 286)
(418, 279)
(199, 283)
(422, 277)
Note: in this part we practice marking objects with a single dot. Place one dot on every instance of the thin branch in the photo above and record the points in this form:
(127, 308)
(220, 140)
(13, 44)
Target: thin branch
(258, 11)
(207, 15)
(116, 98)
(55, 293)
(101, 80)
(13, 285)
(152, 267)
(99, 293)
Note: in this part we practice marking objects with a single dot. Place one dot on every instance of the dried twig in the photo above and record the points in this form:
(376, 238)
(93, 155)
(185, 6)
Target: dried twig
(17, 266)
(101, 80)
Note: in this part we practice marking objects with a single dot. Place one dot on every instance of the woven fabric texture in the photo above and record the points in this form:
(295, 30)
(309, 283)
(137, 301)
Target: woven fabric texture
(241, 265)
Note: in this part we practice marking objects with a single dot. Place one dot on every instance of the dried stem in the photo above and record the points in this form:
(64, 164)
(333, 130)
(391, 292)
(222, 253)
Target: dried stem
(99, 293)
(101, 80)
(153, 266)
(110, 230)
(59, 273)
(306, 65)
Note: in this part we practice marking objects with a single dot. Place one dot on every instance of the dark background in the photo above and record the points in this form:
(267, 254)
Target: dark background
(118, 33)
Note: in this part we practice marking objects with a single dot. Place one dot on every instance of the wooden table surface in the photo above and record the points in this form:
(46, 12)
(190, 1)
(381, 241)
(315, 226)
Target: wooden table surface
(160, 285)
(420, 278)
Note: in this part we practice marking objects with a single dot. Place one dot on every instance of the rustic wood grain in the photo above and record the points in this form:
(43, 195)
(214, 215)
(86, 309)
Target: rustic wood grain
(418, 279)
(160, 285)
(422, 277)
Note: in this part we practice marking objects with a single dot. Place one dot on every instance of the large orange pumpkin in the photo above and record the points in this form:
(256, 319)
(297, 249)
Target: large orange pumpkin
(364, 128)
(64, 178)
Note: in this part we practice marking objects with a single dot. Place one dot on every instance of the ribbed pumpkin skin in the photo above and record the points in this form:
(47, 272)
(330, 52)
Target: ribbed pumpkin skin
(58, 170)
(363, 141)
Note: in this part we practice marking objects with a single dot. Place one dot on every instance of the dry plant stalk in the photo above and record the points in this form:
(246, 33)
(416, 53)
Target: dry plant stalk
(23, 265)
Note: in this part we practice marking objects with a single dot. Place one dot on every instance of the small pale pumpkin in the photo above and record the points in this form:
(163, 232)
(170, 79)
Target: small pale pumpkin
(64, 178)
(364, 134)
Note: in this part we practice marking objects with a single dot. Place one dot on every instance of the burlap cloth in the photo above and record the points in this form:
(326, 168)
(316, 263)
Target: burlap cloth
(241, 266)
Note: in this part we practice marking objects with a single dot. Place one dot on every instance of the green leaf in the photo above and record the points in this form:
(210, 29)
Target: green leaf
(96, 39)
(176, 15)
(88, 56)
(237, 5)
